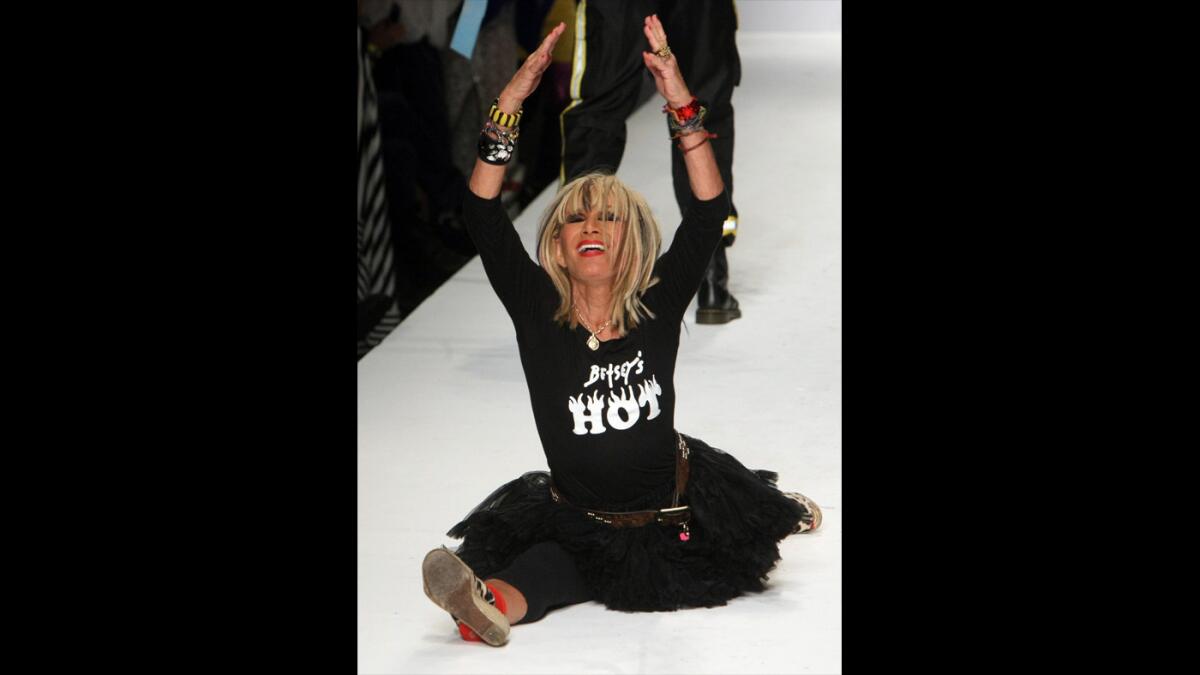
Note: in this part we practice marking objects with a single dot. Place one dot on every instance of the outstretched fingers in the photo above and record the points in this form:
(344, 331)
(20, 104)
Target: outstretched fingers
(659, 63)
(654, 32)
(539, 60)
(651, 36)
(547, 45)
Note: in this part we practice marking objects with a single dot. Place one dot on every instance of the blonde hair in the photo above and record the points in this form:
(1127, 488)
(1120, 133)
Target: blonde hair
(635, 258)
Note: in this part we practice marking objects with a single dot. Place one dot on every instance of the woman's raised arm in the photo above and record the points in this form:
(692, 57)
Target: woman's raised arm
(487, 177)
(686, 118)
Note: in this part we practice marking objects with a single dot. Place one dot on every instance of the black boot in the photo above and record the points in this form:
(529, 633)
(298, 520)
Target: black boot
(716, 304)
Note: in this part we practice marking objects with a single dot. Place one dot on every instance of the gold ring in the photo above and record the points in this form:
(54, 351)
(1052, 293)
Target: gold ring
(663, 52)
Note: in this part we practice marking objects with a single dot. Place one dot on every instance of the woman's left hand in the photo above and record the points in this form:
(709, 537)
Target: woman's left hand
(665, 69)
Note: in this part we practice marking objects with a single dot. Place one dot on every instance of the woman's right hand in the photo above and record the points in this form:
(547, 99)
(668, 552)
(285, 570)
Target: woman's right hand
(529, 74)
(665, 69)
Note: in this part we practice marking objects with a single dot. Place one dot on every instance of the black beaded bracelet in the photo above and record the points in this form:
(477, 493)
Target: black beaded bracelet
(494, 151)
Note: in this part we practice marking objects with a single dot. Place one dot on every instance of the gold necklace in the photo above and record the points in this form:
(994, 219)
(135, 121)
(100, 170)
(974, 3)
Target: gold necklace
(592, 342)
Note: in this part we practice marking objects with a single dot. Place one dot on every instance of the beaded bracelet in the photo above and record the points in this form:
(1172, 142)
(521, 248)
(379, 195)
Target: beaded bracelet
(489, 127)
(685, 113)
(691, 121)
(687, 119)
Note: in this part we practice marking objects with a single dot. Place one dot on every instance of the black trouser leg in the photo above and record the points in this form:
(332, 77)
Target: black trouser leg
(706, 49)
(702, 37)
(604, 90)
(546, 575)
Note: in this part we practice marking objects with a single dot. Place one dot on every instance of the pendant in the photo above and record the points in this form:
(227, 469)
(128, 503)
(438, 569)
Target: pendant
(593, 343)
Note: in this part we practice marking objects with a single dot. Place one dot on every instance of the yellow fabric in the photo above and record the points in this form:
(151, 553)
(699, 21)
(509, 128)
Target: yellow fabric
(564, 11)
(578, 64)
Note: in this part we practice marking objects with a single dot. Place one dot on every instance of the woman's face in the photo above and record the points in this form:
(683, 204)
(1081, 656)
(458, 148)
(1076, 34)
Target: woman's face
(587, 245)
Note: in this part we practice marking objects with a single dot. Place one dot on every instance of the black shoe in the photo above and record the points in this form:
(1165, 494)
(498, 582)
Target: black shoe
(716, 303)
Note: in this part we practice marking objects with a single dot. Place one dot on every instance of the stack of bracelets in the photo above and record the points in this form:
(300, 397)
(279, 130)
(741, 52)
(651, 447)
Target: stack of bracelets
(496, 144)
(687, 120)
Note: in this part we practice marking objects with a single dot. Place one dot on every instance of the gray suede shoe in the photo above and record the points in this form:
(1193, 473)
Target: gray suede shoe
(451, 585)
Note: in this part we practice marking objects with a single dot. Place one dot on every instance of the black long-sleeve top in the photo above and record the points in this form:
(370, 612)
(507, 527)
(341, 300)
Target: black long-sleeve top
(606, 418)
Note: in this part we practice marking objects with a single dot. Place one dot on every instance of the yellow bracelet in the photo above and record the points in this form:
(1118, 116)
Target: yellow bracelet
(502, 118)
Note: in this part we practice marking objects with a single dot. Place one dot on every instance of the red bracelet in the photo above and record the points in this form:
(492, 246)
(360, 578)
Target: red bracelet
(685, 113)
(707, 136)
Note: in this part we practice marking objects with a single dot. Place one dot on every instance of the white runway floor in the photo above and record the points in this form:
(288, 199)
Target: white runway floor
(444, 416)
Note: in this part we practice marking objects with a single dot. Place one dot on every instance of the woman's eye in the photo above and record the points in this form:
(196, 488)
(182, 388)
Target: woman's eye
(575, 218)
(610, 216)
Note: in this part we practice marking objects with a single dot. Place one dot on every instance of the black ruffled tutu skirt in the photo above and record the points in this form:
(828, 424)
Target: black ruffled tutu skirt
(738, 518)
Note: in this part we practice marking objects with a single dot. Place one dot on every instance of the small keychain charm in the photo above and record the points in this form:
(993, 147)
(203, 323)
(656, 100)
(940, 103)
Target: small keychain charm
(685, 534)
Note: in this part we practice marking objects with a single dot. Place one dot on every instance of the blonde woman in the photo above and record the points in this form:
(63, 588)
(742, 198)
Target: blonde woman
(632, 513)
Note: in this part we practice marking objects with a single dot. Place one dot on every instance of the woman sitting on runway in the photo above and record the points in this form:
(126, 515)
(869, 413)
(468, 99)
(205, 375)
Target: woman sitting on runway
(632, 513)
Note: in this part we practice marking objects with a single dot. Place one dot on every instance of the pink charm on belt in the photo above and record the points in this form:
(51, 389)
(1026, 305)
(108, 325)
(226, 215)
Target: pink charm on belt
(685, 534)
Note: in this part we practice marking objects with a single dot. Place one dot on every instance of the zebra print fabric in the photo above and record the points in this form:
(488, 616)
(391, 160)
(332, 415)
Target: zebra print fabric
(376, 273)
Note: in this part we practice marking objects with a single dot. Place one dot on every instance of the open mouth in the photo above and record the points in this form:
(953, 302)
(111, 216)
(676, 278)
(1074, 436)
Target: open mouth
(590, 248)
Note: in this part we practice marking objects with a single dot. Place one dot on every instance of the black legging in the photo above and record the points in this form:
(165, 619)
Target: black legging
(546, 575)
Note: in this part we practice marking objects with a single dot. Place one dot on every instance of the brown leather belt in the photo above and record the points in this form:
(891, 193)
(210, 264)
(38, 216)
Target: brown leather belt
(672, 515)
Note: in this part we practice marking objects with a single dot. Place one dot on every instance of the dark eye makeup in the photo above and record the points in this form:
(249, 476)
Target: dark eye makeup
(579, 217)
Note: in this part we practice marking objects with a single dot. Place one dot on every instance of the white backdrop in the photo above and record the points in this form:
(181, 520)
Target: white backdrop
(787, 16)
